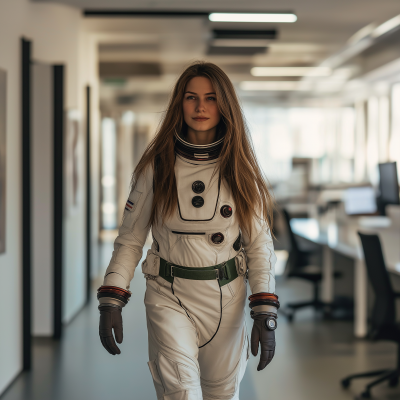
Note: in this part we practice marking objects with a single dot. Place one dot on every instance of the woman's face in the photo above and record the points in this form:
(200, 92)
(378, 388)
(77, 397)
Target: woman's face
(200, 109)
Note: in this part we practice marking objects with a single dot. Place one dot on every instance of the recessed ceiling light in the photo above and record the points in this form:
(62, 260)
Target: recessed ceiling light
(252, 17)
(272, 85)
(291, 71)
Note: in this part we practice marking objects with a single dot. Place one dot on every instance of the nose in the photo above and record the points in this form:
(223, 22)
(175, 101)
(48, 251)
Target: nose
(200, 106)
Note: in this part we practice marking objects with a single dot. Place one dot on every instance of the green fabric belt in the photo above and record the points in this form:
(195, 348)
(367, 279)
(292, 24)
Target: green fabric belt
(224, 272)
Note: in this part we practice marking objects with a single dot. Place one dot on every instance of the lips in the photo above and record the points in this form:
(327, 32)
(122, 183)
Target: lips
(200, 119)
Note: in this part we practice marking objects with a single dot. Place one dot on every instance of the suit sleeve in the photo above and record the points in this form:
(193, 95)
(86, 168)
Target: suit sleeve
(261, 257)
(128, 246)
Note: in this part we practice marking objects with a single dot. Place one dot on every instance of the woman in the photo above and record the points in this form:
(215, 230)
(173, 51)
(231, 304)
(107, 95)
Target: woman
(199, 188)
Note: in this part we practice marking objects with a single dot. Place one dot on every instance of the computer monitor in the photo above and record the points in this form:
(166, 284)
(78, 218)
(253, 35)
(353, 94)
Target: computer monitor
(360, 201)
(388, 185)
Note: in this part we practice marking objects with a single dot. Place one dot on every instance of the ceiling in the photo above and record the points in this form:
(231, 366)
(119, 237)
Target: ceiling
(318, 20)
(168, 44)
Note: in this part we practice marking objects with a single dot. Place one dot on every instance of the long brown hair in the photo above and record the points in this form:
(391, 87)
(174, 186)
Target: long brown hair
(237, 161)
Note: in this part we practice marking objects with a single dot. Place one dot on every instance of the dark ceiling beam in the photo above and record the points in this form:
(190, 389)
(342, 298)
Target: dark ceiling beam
(144, 13)
(167, 13)
(245, 34)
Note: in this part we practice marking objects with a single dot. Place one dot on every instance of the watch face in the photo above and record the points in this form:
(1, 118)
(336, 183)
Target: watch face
(271, 324)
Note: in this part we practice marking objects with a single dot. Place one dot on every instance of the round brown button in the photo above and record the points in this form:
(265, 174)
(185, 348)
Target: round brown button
(198, 187)
(217, 238)
(226, 211)
(197, 201)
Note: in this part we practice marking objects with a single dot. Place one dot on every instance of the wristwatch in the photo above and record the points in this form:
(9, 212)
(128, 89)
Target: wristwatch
(270, 323)
(270, 320)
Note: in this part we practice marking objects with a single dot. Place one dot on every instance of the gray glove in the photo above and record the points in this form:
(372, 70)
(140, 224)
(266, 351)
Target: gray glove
(110, 318)
(263, 332)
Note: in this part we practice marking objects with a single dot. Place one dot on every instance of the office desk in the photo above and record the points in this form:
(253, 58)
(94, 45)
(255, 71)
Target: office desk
(343, 239)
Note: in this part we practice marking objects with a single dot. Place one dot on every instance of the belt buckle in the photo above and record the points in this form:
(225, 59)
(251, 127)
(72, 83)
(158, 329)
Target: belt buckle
(169, 270)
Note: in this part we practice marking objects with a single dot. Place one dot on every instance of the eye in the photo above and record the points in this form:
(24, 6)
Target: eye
(211, 98)
(190, 98)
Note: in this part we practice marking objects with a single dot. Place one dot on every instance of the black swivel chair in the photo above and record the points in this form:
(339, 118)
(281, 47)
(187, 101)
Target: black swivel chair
(298, 266)
(383, 324)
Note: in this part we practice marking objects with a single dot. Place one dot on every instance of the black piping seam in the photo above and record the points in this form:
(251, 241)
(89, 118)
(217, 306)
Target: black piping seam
(220, 315)
(216, 206)
(220, 318)
(156, 243)
(172, 288)
(238, 241)
(188, 233)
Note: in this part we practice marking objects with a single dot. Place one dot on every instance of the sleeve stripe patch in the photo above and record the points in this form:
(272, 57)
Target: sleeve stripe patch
(128, 205)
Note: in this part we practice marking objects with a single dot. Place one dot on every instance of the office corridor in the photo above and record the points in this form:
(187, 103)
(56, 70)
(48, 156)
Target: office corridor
(79, 368)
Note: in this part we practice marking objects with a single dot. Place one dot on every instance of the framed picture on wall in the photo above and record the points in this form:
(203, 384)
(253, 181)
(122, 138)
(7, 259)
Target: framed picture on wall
(73, 161)
(3, 88)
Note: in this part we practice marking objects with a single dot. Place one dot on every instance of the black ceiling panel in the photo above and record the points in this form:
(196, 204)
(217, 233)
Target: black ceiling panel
(244, 34)
(126, 69)
(235, 50)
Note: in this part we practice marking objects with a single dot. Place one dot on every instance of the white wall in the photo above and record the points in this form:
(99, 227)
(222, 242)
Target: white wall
(74, 243)
(57, 35)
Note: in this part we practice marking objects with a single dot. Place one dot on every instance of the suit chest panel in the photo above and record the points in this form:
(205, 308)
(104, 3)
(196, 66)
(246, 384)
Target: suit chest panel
(194, 206)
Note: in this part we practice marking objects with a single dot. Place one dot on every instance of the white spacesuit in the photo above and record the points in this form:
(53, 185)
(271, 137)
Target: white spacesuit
(198, 344)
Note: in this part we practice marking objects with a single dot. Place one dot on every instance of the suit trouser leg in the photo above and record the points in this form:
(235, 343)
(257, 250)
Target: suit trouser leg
(182, 371)
(173, 345)
(223, 361)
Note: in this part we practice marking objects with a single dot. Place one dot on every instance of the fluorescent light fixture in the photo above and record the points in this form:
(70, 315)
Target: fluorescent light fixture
(291, 71)
(252, 17)
(361, 34)
(386, 27)
(272, 85)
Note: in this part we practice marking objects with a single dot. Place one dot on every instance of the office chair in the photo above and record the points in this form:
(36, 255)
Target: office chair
(383, 324)
(298, 266)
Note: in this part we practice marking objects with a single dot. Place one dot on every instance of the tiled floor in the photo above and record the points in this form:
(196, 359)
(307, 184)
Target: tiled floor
(312, 356)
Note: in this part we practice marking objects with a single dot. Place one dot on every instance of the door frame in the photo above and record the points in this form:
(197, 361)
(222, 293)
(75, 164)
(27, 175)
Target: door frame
(26, 114)
(58, 198)
(88, 197)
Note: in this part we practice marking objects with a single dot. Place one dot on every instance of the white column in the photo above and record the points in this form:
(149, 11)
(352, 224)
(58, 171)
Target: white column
(327, 275)
(360, 299)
